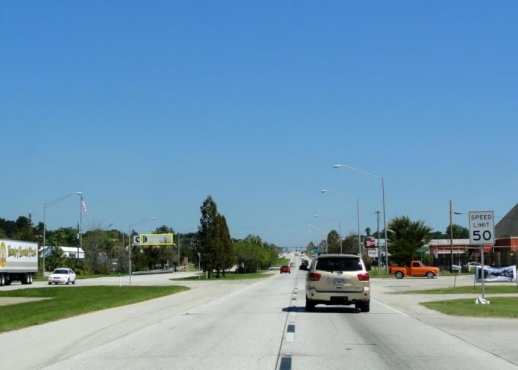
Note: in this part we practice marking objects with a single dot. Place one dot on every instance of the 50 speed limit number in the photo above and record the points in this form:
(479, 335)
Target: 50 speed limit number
(481, 228)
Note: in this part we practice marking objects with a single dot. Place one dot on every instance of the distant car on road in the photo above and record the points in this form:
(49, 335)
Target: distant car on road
(285, 268)
(62, 276)
(473, 265)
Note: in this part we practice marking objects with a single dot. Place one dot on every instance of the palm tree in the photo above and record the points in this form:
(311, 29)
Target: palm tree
(405, 238)
(333, 242)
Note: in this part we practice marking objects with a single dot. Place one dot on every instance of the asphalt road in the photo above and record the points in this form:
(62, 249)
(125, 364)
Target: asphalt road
(262, 324)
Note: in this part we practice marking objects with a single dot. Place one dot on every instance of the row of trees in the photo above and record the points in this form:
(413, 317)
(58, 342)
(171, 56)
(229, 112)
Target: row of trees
(211, 247)
(405, 238)
(220, 253)
(106, 251)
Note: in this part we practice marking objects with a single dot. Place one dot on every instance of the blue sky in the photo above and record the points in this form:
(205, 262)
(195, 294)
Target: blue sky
(149, 107)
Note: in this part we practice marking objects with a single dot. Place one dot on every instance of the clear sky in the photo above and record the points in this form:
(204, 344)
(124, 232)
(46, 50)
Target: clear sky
(148, 107)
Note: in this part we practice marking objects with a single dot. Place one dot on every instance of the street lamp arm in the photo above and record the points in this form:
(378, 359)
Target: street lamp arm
(327, 218)
(52, 202)
(139, 222)
(340, 194)
(357, 213)
(321, 231)
(365, 173)
(339, 228)
(324, 236)
(382, 196)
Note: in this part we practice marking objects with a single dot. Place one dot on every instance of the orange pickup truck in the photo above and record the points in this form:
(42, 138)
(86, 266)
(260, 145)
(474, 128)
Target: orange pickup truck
(416, 269)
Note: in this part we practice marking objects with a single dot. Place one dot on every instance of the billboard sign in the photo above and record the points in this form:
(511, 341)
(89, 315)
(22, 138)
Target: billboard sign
(369, 242)
(494, 274)
(373, 253)
(155, 239)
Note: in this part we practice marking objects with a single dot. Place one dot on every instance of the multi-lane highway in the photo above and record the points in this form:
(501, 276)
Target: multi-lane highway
(262, 325)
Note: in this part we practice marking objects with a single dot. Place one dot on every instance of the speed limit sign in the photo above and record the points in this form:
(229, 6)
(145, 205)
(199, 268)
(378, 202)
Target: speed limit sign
(481, 228)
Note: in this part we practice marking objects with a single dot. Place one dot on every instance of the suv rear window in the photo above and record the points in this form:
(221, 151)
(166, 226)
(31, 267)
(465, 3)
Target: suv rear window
(339, 264)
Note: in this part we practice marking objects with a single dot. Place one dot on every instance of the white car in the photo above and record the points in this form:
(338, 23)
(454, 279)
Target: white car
(62, 276)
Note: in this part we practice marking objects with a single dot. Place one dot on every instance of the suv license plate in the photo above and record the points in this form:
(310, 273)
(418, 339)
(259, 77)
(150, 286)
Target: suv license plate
(338, 282)
(339, 300)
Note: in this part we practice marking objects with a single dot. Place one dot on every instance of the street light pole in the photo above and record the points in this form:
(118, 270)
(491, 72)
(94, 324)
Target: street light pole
(339, 228)
(82, 209)
(45, 206)
(357, 214)
(323, 234)
(131, 243)
(383, 199)
(179, 262)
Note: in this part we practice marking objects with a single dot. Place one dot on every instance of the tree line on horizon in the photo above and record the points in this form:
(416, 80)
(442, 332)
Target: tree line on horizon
(106, 251)
(211, 247)
(405, 238)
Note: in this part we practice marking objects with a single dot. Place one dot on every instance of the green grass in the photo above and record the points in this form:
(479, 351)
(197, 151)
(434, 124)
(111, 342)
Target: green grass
(72, 301)
(282, 262)
(38, 276)
(229, 276)
(379, 273)
(375, 273)
(499, 307)
(469, 289)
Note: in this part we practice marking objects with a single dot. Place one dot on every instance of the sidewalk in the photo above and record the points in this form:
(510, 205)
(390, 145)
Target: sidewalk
(495, 335)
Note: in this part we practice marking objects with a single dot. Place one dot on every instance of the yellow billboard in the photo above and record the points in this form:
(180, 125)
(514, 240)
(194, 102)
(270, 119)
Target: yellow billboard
(155, 239)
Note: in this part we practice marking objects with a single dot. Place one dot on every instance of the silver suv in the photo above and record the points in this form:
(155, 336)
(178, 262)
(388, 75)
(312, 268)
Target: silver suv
(338, 279)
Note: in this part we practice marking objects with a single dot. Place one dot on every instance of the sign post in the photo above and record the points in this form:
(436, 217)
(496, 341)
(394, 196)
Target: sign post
(482, 232)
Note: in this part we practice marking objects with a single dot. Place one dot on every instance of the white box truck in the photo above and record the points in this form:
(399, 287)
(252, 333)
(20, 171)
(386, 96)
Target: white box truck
(18, 261)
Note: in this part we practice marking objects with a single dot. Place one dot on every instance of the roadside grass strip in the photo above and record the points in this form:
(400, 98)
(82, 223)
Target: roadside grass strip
(62, 302)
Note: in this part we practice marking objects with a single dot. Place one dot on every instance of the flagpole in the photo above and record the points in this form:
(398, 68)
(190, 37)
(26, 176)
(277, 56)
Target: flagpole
(82, 208)
(80, 228)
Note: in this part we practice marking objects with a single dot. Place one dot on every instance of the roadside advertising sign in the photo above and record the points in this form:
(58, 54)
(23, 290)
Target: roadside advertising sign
(156, 239)
(369, 242)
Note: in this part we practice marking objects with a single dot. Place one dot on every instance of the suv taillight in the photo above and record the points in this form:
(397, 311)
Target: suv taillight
(314, 276)
(363, 277)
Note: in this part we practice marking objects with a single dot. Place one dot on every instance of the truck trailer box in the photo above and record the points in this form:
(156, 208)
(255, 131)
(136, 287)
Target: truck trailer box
(18, 261)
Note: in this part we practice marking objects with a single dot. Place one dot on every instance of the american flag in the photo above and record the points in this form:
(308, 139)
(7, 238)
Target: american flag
(83, 205)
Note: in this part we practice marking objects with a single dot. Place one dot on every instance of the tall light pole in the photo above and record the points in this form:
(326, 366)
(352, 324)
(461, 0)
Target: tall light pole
(315, 244)
(364, 173)
(82, 208)
(339, 228)
(323, 234)
(179, 243)
(131, 243)
(45, 206)
(357, 213)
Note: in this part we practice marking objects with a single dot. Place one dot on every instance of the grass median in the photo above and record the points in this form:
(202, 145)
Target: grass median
(61, 302)
(230, 276)
(499, 307)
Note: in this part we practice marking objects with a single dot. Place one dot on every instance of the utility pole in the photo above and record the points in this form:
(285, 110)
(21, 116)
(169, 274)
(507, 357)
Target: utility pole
(179, 243)
(451, 236)
(378, 242)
